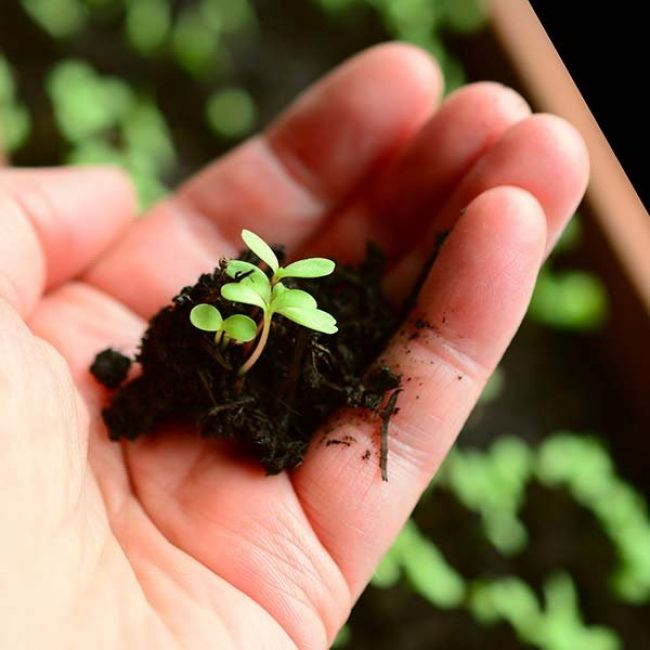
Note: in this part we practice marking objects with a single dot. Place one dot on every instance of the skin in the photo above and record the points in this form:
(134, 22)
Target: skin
(172, 541)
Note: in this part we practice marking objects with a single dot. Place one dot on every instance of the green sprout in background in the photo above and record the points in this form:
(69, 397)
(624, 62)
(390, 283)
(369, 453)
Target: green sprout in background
(104, 120)
(195, 41)
(14, 118)
(556, 626)
(423, 23)
(254, 287)
(231, 112)
(148, 24)
(569, 299)
(493, 484)
(59, 18)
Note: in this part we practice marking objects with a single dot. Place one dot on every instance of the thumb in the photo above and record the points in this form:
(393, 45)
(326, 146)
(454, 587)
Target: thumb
(42, 431)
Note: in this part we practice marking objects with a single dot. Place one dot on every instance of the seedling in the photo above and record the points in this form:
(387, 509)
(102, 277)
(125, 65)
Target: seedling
(254, 287)
(237, 328)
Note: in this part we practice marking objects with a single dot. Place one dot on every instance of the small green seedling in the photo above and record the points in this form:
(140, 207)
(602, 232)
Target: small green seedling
(237, 328)
(254, 287)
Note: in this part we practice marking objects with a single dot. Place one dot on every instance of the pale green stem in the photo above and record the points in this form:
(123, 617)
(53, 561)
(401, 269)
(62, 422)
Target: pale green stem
(217, 336)
(261, 343)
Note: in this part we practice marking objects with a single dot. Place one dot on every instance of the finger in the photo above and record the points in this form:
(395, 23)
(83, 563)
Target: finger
(472, 303)
(282, 184)
(54, 223)
(543, 155)
(400, 203)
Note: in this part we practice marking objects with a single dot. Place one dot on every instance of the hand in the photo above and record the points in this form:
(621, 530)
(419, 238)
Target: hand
(169, 541)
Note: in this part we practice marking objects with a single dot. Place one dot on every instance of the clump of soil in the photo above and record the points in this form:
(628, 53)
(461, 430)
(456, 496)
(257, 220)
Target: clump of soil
(301, 378)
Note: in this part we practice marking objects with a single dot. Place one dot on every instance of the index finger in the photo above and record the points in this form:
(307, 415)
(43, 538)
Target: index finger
(469, 308)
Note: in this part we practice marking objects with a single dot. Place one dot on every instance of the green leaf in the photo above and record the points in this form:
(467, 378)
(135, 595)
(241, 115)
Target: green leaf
(257, 279)
(260, 248)
(206, 318)
(260, 284)
(314, 267)
(292, 298)
(239, 267)
(314, 319)
(278, 289)
(240, 328)
(244, 293)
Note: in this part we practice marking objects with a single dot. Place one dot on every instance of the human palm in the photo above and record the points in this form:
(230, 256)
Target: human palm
(172, 541)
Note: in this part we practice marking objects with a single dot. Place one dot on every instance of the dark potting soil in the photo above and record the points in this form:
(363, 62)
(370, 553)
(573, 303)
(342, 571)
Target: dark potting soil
(301, 378)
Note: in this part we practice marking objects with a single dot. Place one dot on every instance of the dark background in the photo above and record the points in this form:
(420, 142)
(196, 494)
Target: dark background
(606, 51)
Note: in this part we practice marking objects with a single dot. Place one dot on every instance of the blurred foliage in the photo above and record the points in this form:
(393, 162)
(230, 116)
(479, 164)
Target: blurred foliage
(59, 18)
(196, 36)
(148, 25)
(14, 118)
(556, 626)
(424, 567)
(571, 300)
(424, 23)
(85, 104)
(105, 121)
(568, 299)
(493, 483)
(231, 112)
(586, 470)
(195, 41)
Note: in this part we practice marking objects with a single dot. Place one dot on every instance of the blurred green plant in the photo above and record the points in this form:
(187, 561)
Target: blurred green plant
(199, 28)
(105, 121)
(86, 104)
(103, 118)
(231, 112)
(425, 568)
(569, 299)
(423, 23)
(195, 41)
(59, 18)
(583, 466)
(557, 626)
(493, 484)
(14, 117)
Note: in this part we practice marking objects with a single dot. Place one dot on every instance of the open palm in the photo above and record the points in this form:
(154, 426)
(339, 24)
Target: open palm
(171, 541)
